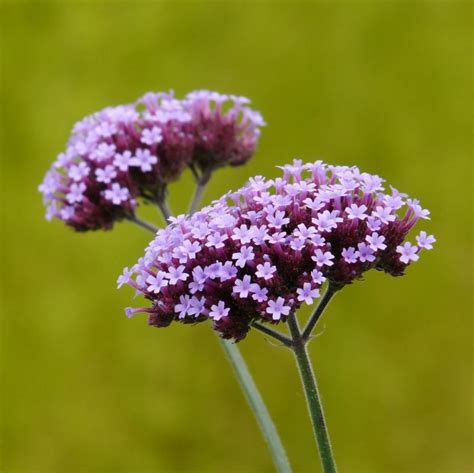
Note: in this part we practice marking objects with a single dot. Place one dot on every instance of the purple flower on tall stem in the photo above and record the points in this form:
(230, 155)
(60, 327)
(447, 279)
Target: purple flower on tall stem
(283, 239)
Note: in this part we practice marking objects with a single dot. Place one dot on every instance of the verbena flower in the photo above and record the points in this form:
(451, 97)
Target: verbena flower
(261, 252)
(123, 153)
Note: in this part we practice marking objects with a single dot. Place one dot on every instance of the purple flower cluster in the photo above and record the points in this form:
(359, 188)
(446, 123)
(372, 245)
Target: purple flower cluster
(260, 252)
(123, 153)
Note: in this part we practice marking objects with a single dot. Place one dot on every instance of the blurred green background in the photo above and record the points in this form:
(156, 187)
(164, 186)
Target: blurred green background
(384, 85)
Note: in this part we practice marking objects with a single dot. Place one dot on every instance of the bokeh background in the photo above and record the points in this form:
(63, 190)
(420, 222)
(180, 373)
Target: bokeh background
(384, 85)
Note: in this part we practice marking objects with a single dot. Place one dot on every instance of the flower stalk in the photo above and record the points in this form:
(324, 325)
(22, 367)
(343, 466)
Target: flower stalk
(313, 398)
(313, 320)
(201, 183)
(298, 345)
(257, 405)
(143, 224)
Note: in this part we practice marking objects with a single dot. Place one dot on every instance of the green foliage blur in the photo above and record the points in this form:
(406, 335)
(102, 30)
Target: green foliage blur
(383, 85)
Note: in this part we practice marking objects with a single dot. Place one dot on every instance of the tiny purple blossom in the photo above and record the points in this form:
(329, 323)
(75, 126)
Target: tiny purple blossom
(103, 152)
(144, 160)
(327, 221)
(117, 194)
(197, 306)
(356, 211)
(317, 240)
(394, 201)
(373, 223)
(259, 234)
(77, 172)
(243, 286)
(176, 274)
(182, 308)
(297, 244)
(190, 249)
(265, 271)
(243, 256)
(303, 231)
(195, 287)
(199, 275)
(66, 213)
(76, 193)
(123, 160)
(259, 294)
(323, 258)
(408, 252)
(156, 283)
(350, 255)
(242, 234)
(307, 293)
(218, 311)
(365, 253)
(277, 220)
(418, 211)
(278, 237)
(425, 241)
(124, 278)
(106, 175)
(152, 137)
(317, 276)
(213, 271)
(384, 214)
(376, 241)
(130, 311)
(216, 240)
(277, 308)
(227, 271)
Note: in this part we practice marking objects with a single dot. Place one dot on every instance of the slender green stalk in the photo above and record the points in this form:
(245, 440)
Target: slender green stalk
(257, 405)
(165, 210)
(159, 198)
(143, 224)
(278, 336)
(313, 320)
(313, 398)
(201, 182)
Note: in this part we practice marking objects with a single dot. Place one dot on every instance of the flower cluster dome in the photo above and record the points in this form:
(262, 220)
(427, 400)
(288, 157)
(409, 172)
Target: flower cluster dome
(123, 153)
(261, 252)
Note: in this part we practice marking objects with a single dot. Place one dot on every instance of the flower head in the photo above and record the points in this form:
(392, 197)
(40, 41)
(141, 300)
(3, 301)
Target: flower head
(121, 154)
(262, 251)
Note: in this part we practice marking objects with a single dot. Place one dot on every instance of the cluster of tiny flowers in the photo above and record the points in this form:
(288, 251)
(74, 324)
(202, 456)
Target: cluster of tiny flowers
(261, 252)
(123, 153)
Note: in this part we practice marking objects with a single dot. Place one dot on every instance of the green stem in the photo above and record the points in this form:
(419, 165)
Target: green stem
(278, 336)
(313, 320)
(201, 182)
(313, 398)
(165, 210)
(257, 405)
(142, 223)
